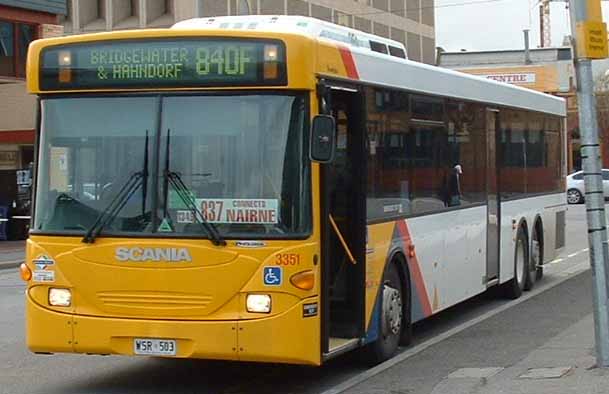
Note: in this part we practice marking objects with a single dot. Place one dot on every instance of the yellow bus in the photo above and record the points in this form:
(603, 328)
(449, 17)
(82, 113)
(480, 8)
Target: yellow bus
(253, 188)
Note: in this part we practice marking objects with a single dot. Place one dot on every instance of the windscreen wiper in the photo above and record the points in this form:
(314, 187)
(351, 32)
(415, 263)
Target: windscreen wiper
(115, 206)
(173, 178)
(138, 179)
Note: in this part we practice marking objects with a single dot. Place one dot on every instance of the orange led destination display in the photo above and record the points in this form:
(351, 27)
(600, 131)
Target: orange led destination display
(162, 63)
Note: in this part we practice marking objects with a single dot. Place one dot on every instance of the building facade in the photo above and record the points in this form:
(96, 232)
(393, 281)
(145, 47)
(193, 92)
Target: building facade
(548, 70)
(411, 22)
(20, 23)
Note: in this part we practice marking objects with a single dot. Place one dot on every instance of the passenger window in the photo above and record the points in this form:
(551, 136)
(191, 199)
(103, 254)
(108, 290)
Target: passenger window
(378, 47)
(512, 153)
(467, 149)
(427, 108)
(406, 156)
(397, 52)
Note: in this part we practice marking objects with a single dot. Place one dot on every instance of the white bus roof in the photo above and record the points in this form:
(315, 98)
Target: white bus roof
(304, 25)
(423, 78)
(390, 71)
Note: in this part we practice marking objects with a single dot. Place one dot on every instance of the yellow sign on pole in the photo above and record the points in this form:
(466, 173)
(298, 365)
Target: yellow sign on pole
(591, 40)
(594, 11)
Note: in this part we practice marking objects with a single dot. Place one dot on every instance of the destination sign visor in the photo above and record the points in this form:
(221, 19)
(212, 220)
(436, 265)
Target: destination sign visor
(163, 63)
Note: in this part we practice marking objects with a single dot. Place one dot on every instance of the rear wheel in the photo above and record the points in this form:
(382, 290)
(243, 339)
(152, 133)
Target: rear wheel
(574, 196)
(534, 261)
(513, 288)
(392, 316)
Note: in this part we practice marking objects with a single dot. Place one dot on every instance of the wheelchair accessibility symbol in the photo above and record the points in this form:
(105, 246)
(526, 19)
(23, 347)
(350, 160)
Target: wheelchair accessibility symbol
(272, 276)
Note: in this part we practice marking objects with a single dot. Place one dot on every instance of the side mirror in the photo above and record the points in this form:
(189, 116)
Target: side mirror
(323, 140)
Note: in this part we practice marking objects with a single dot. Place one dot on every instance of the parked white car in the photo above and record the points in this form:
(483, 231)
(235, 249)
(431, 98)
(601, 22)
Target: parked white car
(575, 186)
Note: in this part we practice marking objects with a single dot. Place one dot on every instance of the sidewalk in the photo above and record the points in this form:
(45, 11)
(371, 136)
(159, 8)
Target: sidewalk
(564, 364)
(542, 345)
(12, 254)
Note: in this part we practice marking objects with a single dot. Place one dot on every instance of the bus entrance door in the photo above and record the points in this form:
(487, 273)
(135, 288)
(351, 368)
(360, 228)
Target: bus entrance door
(344, 227)
(493, 205)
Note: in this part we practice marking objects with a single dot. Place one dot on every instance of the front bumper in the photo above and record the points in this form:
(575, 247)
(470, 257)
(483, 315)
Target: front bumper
(285, 338)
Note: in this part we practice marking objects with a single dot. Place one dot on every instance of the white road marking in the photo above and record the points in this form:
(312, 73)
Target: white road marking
(572, 254)
(362, 377)
(554, 261)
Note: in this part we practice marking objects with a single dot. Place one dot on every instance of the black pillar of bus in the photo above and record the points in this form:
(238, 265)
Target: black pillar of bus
(358, 121)
(354, 97)
(155, 160)
(323, 96)
(34, 174)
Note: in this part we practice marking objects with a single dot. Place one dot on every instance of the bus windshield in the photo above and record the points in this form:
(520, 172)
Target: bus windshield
(169, 163)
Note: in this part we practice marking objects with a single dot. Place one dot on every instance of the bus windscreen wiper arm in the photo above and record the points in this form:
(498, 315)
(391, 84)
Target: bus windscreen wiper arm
(182, 190)
(176, 181)
(115, 206)
(121, 198)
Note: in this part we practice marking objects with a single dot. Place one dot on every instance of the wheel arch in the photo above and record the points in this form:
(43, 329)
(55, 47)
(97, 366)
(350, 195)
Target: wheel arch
(397, 256)
(524, 225)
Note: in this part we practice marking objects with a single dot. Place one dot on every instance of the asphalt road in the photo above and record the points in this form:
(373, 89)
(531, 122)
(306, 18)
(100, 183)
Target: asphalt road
(513, 331)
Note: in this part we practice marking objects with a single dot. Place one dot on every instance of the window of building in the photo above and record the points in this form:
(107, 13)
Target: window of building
(342, 18)
(14, 41)
(240, 7)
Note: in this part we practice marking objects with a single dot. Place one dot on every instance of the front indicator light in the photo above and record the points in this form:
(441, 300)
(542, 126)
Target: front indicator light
(65, 75)
(258, 303)
(304, 280)
(60, 297)
(25, 271)
(271, 70)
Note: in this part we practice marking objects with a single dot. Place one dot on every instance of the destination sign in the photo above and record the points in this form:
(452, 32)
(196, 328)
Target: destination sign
(163, 63)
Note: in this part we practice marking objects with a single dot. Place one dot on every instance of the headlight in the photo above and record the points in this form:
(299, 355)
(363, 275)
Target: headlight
(60, 297)
(258, 303)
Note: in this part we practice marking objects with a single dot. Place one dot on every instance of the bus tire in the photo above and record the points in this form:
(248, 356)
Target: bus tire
(513, 289)
(535, 258)
(391, 316)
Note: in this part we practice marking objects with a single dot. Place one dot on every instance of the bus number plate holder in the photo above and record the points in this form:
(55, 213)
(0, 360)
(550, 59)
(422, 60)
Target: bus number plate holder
(154, 347)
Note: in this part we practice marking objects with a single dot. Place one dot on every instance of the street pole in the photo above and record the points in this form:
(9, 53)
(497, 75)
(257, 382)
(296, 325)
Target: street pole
(586, 21)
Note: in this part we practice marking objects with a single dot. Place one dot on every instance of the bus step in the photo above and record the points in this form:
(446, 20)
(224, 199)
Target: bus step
(340, 345)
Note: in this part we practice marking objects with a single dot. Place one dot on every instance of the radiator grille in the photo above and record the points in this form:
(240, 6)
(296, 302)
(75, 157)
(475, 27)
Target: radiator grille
(170, 301)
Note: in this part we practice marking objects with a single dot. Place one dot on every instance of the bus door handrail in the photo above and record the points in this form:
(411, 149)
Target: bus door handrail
(342, 240)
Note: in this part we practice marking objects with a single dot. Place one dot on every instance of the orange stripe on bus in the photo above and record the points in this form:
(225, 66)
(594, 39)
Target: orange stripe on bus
(349, 63)
(415, 269)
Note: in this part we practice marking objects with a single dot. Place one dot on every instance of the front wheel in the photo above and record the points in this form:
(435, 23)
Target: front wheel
(392, 317)
(574, 196)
